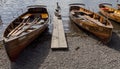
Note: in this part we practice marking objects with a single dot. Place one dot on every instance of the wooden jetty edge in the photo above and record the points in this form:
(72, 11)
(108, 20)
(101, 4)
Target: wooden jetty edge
(58, 35)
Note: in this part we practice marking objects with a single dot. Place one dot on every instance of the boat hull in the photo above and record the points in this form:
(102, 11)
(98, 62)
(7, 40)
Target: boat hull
(15, 47)
(24, 29)
(101, 32)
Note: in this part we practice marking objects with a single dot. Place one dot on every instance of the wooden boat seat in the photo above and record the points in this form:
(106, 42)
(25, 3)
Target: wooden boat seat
(97, 18)
(110, 11)
(105, 22)
(88, 13)
(72, 12)
(76, 14)
(94, 21)
(26, 16)
(117, 12)
(44, 15)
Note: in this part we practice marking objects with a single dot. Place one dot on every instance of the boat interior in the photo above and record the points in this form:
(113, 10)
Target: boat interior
(107, 8)
(110, 10)
(95, 18)
(29, 21)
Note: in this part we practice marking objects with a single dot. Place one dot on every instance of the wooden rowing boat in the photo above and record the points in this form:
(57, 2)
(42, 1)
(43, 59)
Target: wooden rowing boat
(25, 29)
(108, 11)
(91, 21)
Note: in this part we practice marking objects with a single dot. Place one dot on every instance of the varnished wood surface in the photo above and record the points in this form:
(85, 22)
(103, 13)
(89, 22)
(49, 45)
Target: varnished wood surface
(15, 44)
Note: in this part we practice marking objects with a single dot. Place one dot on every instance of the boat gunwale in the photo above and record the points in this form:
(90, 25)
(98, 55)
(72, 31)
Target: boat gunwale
(16, 37)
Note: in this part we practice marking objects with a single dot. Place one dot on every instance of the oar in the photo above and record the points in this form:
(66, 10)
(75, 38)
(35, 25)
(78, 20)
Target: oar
(34, 21)
(18, 26)
(15, 28)
(23, 24)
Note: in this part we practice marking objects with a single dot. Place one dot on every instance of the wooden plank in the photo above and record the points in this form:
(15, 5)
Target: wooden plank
(62, 40)
(26, 16)
(58, 36)
(55, 37)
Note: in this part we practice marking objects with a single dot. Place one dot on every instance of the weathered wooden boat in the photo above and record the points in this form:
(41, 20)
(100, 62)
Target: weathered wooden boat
(91, 21)
(25, 29)
(108, 11)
